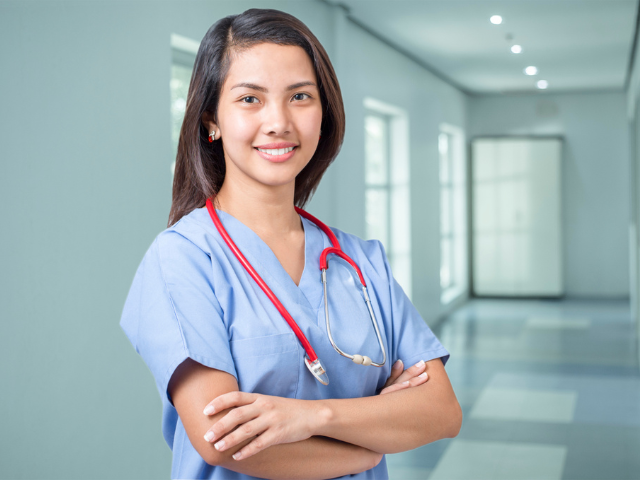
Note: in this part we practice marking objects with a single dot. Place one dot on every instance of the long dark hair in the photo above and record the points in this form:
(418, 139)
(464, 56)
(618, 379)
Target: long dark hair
(200, 167)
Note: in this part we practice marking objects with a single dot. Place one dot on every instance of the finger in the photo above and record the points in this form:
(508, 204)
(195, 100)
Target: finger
(258, 444)
(411, 372)
(244, 432)
(395, 387)
(396, 371)
(229, 421)
(228, 400)
(419, 380)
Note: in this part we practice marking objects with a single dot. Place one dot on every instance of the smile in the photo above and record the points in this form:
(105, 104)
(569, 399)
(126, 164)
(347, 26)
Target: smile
(276, 151)
(276, 155)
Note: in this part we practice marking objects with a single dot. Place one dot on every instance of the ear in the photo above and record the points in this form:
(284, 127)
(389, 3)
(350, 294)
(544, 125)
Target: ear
(207, 121)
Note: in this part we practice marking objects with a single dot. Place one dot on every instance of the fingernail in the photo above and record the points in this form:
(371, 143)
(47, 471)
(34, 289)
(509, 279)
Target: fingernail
(209, 436)
(423, 374)
(405, 382)
(219, 445)
(397, 364)
(236, 455)
(209, 410)
(420, 363)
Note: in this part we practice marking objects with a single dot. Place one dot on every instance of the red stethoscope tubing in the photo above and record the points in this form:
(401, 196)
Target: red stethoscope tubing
(265, 288)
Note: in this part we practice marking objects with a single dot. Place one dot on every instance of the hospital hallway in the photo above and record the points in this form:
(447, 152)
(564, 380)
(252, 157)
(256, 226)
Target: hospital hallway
(549, 389)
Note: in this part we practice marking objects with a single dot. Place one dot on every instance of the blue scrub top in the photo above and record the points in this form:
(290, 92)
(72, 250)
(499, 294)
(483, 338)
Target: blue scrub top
(191, 297)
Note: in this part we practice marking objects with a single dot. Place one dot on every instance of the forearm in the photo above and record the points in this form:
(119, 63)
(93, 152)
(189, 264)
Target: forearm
(396, 422)
(314, 458)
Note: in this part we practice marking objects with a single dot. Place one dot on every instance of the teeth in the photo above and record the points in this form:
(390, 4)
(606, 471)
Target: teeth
(276, 151)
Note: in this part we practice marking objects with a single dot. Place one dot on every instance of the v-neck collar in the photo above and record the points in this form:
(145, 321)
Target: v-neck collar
(308, 292)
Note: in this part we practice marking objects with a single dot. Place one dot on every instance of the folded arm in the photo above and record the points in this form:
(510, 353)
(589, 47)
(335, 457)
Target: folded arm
(397, 422)
(192, 387)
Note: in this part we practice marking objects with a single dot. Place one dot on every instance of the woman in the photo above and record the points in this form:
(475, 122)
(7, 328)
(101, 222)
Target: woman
(264, 120)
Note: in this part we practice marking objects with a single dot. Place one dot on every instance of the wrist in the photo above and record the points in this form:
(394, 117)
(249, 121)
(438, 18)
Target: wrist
(322, 416)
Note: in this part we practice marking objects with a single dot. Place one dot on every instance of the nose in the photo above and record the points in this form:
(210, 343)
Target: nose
(277, 119)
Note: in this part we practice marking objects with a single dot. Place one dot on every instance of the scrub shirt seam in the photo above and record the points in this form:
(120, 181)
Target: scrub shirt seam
(173, 307)
(186, 351)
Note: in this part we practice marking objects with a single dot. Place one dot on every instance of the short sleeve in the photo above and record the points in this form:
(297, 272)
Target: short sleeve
(171, 312)
(413, 340)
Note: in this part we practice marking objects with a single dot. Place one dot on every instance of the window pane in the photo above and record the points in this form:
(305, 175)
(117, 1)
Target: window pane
(180, 78)
(445, 158)
(377, 213)
(445, 210)
(376, 150)
(445, 262)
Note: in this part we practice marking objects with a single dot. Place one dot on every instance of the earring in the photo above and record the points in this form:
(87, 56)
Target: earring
(212, 136)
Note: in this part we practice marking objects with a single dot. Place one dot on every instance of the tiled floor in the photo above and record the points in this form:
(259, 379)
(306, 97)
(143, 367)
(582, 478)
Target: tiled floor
(550, 390)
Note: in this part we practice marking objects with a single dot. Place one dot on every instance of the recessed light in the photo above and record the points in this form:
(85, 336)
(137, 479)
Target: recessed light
(530, 70)
(516, 49)
(542, 84)
(496, 19)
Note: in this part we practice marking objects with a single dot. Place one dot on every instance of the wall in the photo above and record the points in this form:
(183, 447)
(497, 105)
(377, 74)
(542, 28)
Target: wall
(371, 68)
(595, 185)
(85, 187)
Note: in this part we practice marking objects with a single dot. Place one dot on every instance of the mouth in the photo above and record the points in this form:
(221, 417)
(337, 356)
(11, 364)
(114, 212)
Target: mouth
(276, 154)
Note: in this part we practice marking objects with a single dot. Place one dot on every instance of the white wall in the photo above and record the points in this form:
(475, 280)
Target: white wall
(595, 185)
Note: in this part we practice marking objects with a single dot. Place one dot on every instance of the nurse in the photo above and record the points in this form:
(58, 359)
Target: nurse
(264, 120)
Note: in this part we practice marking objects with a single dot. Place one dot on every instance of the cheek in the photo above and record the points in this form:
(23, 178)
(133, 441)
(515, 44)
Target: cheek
(239, 131)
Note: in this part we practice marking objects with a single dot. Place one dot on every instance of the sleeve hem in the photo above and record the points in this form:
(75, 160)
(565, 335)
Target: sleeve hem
(206, 361)
(427, 355)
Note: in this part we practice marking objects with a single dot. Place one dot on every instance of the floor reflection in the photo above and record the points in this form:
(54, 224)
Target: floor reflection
(549, 389)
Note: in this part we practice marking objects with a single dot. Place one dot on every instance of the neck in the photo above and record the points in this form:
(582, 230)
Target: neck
(268, 211)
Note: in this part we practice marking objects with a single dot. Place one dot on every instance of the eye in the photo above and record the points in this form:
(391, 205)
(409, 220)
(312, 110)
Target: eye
(244, 98)
(301, 94)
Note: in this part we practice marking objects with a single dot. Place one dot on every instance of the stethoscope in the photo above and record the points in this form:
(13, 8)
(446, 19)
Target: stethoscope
(311, 359)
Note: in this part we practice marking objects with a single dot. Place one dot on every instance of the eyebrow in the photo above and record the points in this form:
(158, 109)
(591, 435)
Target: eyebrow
(262, 89)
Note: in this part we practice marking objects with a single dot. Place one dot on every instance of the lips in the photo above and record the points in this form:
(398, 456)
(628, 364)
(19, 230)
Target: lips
(279, 157)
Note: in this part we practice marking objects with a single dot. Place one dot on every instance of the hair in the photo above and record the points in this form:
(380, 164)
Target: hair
(200, 166)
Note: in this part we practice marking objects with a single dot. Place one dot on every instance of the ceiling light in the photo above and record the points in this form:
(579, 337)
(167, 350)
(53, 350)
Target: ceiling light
(530, 70)
(516, 49)
(496, 19)
(542, 84)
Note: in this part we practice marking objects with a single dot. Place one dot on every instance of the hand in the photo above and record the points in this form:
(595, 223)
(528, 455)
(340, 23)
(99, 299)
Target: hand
(272, 420)
(411, 377)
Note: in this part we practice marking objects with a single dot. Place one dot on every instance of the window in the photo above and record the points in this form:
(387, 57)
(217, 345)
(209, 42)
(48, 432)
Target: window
(453, 214)
(387, 205)
(183, 56)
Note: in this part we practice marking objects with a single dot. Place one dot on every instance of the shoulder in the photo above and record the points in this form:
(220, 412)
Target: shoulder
(192, 233)
(370, 254)
(185, 245)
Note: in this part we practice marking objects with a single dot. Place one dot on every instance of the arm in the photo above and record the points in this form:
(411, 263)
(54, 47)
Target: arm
(395, 423)
(193, 385)
(391, 423)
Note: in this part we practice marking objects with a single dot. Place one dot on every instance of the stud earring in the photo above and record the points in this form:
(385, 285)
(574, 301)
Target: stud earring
(212, 136)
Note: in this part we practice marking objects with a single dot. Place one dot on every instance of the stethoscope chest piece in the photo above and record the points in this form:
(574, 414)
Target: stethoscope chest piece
(317, 370)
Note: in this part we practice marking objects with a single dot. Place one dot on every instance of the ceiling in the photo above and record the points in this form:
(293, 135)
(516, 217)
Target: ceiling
(575, 44)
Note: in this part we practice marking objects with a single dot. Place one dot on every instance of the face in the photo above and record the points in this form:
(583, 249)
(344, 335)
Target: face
(269, 115)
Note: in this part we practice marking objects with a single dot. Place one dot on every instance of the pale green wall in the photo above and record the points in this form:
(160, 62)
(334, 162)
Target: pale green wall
(85, 187)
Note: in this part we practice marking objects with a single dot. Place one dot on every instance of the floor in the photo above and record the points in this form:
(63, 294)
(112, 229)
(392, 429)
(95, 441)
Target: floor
(550, 390)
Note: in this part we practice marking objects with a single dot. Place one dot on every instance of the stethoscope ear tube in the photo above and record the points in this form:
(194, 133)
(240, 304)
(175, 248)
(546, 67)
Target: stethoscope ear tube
(265, 288)
(311, 360)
